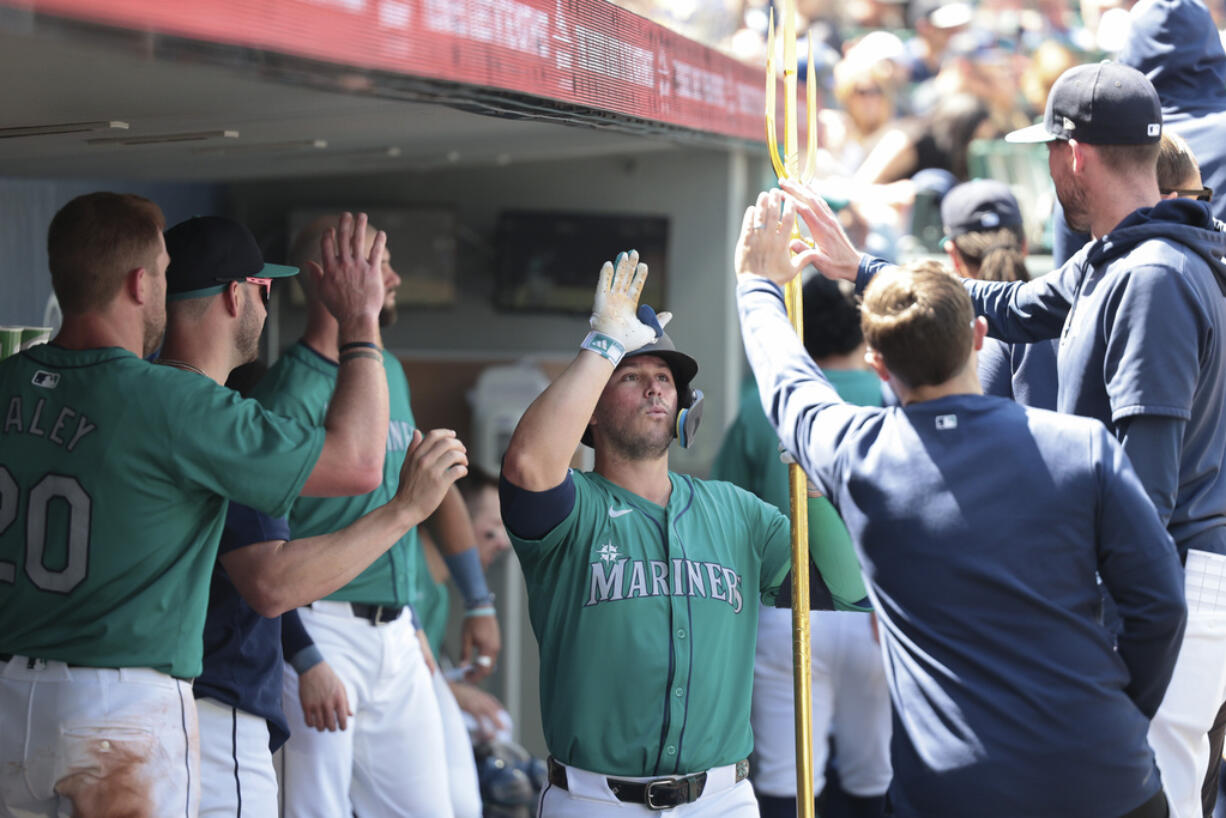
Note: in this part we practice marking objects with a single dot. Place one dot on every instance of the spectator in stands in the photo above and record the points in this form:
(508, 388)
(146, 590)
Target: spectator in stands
(936, 22)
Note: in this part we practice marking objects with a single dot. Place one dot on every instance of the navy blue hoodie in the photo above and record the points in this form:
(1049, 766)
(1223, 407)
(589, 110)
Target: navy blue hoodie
(979, 524)
(1141, 317)
(1176, 45)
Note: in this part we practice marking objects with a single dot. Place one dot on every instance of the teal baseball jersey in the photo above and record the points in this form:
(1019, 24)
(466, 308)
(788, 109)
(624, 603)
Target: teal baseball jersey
(300, 386)
(647, 620)
(749, 454)
(749, 458)
(431, 601)
(114, 475)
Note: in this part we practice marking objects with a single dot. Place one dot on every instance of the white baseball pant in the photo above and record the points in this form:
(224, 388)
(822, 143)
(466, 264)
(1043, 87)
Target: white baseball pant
(1178, 731)
(461, 763)
(236, 771)
(390, 761)
(850, 701)
(588, 796)
(96, 741)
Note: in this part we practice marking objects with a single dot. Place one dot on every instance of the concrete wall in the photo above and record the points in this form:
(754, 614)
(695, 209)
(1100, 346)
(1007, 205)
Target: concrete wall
(703, 192)
(26, 208)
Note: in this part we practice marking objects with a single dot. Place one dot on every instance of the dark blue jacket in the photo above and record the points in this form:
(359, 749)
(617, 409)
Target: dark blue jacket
(980, 524)
(1141, 317)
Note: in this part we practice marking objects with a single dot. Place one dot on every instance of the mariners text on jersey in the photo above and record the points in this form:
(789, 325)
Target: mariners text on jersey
(616, 578)
(63, 426)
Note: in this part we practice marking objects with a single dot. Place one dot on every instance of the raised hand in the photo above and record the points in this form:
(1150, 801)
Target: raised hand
(350, 281)
(766, 235)
(832, 252)
(615, 309)
(431, 465)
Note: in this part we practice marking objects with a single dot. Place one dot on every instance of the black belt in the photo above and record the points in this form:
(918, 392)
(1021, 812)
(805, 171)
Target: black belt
(662, 793)
(374, 614)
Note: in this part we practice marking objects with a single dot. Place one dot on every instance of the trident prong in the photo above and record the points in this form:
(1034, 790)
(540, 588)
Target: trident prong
(789, 168)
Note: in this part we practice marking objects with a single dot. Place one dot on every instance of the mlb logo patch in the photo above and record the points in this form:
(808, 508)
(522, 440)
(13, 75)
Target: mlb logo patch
(946, 422)
(1155, 129)
(45, 379)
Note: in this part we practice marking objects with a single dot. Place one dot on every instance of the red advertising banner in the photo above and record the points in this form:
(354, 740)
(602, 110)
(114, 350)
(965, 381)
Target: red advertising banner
(584, 52)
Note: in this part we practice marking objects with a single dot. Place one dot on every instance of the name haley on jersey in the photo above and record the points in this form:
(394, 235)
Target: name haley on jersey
(39, 422)
(614, 578)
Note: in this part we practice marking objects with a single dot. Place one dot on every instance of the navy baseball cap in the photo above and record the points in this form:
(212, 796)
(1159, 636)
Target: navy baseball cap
(1105, 103)
(208, 251)
(982, 204)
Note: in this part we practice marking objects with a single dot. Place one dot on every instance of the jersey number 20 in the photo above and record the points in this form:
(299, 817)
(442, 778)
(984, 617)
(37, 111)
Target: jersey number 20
(51, 487)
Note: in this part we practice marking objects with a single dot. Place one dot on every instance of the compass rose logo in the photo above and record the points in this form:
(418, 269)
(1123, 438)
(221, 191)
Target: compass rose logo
(608, 552)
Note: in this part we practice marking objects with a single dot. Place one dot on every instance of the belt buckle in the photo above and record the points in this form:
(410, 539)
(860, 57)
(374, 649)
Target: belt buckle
(377, 616)
(650, 791)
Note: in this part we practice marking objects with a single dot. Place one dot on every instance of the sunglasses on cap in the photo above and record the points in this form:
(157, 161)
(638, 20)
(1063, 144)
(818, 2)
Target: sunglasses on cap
(1204, 194)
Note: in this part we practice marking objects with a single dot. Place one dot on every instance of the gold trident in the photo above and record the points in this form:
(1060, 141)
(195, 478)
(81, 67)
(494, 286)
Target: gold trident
(789, 168)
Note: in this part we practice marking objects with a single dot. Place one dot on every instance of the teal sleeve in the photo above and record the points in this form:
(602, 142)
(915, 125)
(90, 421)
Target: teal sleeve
(776, 553)
(831, 551)
(237, 449)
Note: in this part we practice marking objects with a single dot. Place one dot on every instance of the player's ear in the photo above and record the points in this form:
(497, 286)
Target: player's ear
(873, 358)
(136, 285)
(955, 258)
(980, 327)
(232, 299)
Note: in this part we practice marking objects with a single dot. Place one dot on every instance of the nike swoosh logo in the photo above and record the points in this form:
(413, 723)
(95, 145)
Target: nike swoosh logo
(619, 513)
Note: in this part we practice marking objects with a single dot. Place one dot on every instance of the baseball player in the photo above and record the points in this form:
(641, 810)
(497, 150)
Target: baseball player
(642, 583)
(389, 761)
(1009, 698)
(984, 240)
(259, 575)
(849, 695)
(113, 479)
(1140, 313)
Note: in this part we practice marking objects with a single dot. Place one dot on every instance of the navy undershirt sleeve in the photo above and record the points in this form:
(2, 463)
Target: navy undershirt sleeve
(245, 526)
(1153, 443)
(296, 644)
(531, 515)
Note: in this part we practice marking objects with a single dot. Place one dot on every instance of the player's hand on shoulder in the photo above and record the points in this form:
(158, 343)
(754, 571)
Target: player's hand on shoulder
(350, 279)
(325, 704)
(433, 463)
(616, 312)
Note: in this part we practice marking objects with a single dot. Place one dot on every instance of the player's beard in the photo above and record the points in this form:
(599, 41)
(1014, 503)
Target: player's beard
(635, 444)
(387, 315)
(250, 326)
(155, 328)
(1074, 202)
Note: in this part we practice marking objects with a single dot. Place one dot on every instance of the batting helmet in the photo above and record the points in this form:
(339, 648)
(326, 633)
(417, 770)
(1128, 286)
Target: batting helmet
(506, 775)
(689, 399)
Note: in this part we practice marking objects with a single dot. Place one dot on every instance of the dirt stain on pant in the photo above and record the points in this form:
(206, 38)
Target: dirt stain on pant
(112, 780)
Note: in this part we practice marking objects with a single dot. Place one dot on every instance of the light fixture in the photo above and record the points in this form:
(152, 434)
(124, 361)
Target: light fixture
(162, 138)
(262, 147)
(62, 128)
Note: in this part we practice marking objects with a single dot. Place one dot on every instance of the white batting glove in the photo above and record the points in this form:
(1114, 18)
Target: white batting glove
(614, 312)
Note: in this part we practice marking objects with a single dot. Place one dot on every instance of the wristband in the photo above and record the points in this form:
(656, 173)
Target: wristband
(605, 346)
(485, 610)
(305, 659)
(360, 345)
(360, 353)
(465, 568)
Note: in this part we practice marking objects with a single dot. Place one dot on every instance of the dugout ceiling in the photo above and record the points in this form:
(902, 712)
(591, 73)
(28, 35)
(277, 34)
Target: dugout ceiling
(226, 90)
